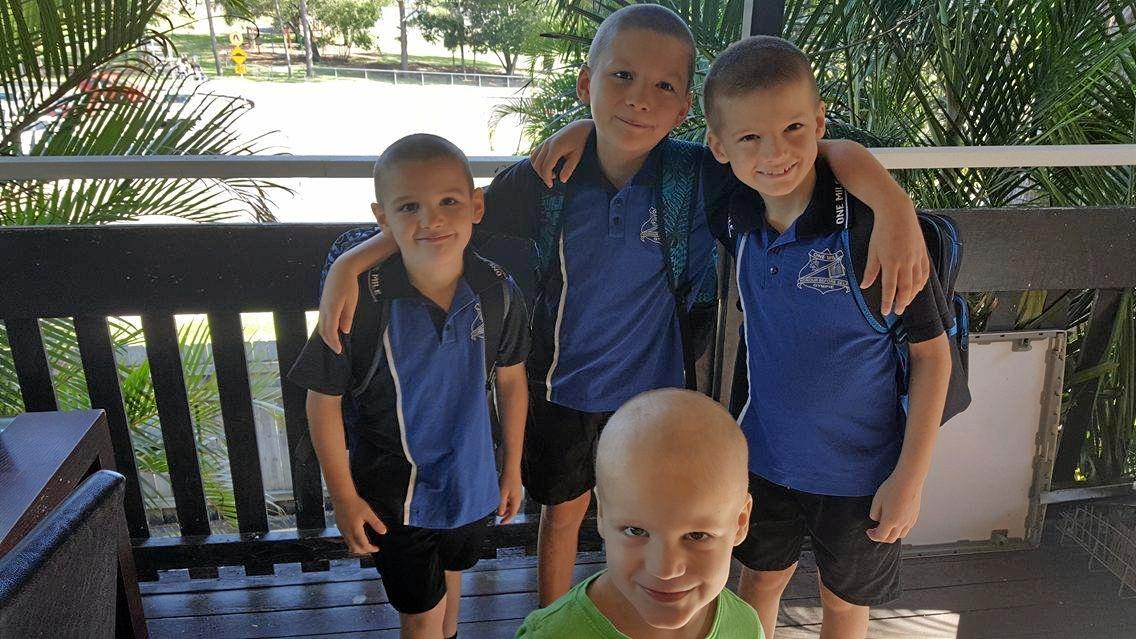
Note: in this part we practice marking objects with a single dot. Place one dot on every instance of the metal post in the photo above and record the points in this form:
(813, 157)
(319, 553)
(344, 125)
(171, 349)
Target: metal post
(763, 17)
(212, 34)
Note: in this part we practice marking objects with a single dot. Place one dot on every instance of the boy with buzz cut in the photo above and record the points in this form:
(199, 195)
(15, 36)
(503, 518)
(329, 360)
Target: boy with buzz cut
(832, 454)
(433, 327)
(671, 505)
(624, 266)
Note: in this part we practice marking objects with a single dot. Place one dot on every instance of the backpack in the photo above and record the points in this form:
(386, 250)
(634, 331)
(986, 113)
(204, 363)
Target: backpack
(676, 198)
(944, 248)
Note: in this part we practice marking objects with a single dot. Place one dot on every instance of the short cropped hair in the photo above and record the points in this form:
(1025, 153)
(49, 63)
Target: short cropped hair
(417, 147)
(753, 64)
(645, 17)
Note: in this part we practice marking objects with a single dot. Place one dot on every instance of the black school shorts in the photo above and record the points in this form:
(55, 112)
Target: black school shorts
(559, 459)
(413, 561)
(855, 568)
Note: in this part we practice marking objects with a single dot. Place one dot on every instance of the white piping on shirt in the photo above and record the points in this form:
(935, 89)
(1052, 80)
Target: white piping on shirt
(745, 324)
(401, 428)
(559, 321)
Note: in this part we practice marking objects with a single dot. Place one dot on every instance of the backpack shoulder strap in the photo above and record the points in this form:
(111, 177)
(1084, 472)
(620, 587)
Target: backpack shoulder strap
(677, 204)
(493, 288)
(857, 221)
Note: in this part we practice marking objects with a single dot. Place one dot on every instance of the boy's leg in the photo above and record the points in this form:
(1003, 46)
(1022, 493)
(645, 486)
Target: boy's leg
(762, 589)
(842, 620)
(556, 545)
(854, 571)
(410, 565)
(770, 551)
(453, 603)
(558, 469)
(424, 625)
(458, 550)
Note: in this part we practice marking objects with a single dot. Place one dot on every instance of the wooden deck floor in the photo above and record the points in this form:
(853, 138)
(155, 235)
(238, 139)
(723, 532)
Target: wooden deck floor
(1048, 592)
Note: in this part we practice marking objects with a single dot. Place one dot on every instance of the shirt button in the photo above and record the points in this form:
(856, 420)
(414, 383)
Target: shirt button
(773, 270)
(617, 201)
(617, 220)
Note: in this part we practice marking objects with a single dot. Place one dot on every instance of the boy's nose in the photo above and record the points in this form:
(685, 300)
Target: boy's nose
(637, 97)
(431, 216)
(665, 561)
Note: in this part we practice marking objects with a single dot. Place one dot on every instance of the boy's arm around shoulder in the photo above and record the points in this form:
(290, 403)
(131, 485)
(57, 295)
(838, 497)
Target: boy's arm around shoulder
(340, 293)
(896, 252)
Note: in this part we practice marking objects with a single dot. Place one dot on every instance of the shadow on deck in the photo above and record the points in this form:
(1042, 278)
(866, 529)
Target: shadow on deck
(1050, 591)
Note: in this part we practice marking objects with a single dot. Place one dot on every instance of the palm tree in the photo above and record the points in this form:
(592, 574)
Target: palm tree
(77, 79)
(952, 73)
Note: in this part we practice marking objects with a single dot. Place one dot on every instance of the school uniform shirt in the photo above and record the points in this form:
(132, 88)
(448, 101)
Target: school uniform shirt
(823, 413)
(422, 448)
(604, 323)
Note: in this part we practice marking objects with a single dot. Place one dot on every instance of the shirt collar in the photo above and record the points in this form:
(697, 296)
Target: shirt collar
(390, 280)
(747, 209)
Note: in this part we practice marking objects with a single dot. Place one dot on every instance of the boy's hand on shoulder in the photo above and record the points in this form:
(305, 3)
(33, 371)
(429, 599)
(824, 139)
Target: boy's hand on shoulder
(511, 495)
(568, 144)
(337, 304)
(895, 507)
(898, 256)
(352, 514)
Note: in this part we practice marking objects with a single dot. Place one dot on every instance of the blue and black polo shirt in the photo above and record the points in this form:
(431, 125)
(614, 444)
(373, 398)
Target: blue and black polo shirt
(604, 323)
(422, 445)
(823, 413)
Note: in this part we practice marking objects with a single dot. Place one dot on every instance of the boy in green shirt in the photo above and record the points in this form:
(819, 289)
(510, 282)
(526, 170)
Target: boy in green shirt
(667, 565)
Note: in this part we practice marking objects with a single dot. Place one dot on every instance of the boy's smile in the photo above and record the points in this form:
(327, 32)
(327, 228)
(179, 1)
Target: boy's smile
(637, 89)
(668, 564)
(769, 137)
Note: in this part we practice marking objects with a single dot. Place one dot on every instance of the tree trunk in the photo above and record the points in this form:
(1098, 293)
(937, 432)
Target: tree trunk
(308, 46)
(212, 34)
(404, 59)
(283, 27)
(462, 48)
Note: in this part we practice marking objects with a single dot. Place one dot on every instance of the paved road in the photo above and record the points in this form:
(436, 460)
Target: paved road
(359, 117)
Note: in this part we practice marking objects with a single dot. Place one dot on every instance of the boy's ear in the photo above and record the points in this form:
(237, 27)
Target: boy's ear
(820, 120)
(685, 111)
(716, 147)
(743, 520)
(380, 216)
(478, 205)
(583, 85)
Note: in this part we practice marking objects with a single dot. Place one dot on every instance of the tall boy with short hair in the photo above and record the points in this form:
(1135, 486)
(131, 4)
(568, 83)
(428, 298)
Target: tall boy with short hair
(607, 321)
(831, 453)
(421, 485)
(671, 504)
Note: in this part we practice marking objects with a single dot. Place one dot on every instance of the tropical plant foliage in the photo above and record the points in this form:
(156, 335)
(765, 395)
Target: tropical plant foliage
(77, 79)
(950, 73)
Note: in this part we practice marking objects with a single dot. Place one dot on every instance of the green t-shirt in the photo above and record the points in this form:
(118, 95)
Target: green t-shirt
(574, 616)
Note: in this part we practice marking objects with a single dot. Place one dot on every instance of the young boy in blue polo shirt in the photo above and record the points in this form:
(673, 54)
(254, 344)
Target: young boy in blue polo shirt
(832, 454)
(607, 323)
(420, 485)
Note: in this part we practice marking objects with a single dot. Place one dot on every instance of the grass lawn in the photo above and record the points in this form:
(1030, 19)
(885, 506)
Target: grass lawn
(272, 53)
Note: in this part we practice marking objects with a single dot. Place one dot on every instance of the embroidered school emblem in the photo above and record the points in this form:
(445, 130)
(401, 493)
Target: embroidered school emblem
(477, 330)
(824, 272)
(650, 229)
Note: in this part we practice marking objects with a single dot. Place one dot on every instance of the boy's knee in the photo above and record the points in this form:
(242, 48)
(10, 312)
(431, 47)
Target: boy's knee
(566, 515)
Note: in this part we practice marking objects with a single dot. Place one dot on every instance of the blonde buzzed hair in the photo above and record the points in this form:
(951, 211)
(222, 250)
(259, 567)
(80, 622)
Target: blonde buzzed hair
(754, 64)
(417, 147)
(646, 17)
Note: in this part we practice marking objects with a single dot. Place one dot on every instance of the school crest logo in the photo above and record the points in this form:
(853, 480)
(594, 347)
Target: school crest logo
(649, 232)
(477, 330)
(824, 272)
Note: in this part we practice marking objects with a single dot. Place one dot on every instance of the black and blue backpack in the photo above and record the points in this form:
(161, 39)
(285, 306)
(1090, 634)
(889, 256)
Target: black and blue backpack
(676, 199)
(944, 248)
